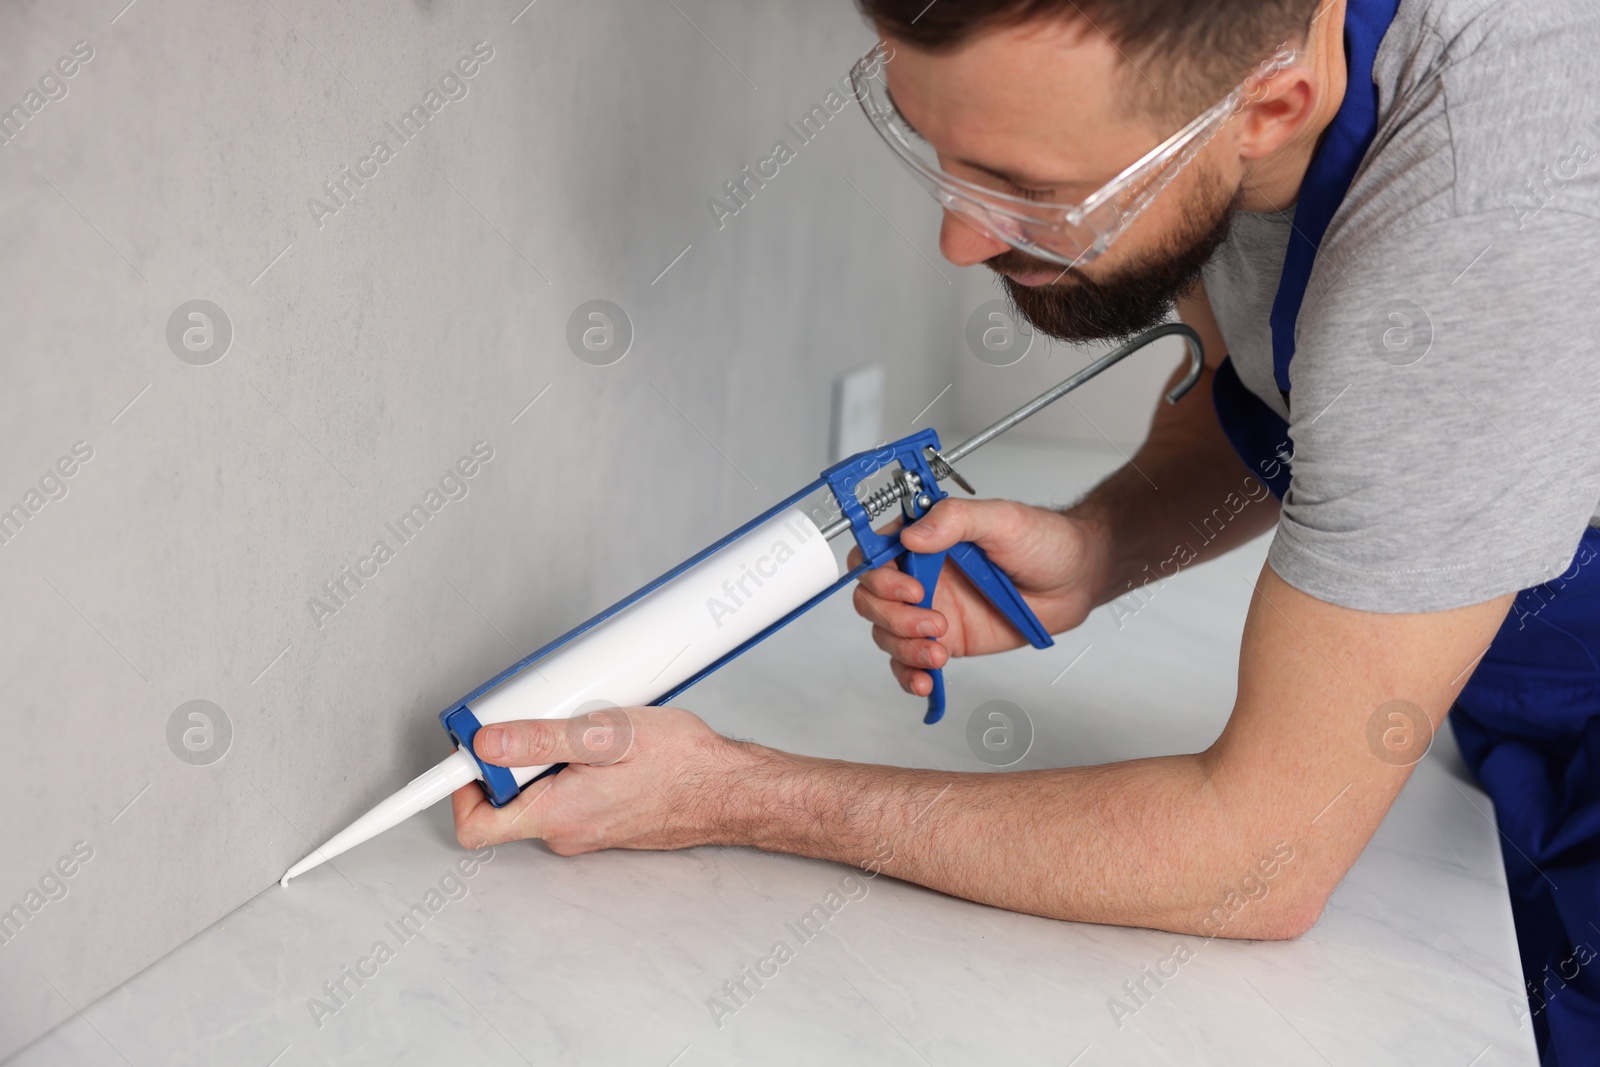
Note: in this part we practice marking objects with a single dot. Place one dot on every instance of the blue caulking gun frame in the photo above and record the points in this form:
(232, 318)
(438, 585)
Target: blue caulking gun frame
(915, 486)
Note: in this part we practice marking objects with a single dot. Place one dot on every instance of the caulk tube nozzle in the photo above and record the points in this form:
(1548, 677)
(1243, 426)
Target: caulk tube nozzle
(423, 791)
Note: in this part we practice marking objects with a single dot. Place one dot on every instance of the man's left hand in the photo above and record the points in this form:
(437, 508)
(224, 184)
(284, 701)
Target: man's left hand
(648, 777)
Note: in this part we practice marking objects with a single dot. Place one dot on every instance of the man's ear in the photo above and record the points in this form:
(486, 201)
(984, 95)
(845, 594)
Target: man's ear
(1275, 111)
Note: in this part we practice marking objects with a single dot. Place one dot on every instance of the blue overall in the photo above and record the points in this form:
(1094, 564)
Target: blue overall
(1528, 721)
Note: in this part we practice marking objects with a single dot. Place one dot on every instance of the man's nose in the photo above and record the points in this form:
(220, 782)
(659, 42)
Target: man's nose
(964, 244)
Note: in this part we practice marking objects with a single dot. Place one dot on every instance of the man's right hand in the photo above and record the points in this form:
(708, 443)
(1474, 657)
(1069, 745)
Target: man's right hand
(1054, 560)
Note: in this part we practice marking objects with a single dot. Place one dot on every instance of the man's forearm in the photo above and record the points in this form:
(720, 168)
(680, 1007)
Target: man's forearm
(1141, 843)
(1185, 497)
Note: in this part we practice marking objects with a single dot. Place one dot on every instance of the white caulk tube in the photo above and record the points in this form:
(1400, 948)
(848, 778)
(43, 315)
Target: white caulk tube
(634, 657)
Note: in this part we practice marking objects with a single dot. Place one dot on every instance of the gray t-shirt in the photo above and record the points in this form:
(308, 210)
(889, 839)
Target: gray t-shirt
(1445, 391)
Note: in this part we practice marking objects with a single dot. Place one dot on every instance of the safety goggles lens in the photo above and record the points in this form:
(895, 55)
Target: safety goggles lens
(1069, 233)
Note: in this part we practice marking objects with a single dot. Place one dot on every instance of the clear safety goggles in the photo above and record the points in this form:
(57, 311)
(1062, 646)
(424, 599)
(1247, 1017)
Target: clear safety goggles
(1069, 234)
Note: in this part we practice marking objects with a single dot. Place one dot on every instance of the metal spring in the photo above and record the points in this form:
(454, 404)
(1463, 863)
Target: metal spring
(884, 499)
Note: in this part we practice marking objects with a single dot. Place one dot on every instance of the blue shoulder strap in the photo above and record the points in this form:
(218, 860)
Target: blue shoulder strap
(1256, 431)
(1333, 168)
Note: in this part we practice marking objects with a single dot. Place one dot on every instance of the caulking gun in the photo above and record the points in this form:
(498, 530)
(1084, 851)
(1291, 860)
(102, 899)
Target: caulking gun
(652, 645)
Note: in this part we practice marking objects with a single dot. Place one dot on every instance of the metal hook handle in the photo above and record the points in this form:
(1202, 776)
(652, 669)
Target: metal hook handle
(1191, 339)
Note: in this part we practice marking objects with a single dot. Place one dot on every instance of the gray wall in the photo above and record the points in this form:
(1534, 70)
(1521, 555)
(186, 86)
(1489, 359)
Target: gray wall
(371, 348)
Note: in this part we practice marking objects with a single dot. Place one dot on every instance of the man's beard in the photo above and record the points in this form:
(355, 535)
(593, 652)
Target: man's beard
(1140, 295)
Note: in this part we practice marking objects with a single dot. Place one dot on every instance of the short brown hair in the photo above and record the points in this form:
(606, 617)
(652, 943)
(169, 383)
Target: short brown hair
(1192, 51)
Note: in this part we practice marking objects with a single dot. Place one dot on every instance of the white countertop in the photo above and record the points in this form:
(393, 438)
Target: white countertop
(612, 958)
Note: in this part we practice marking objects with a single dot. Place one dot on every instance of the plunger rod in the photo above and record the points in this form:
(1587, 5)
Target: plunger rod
(1191, 341)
